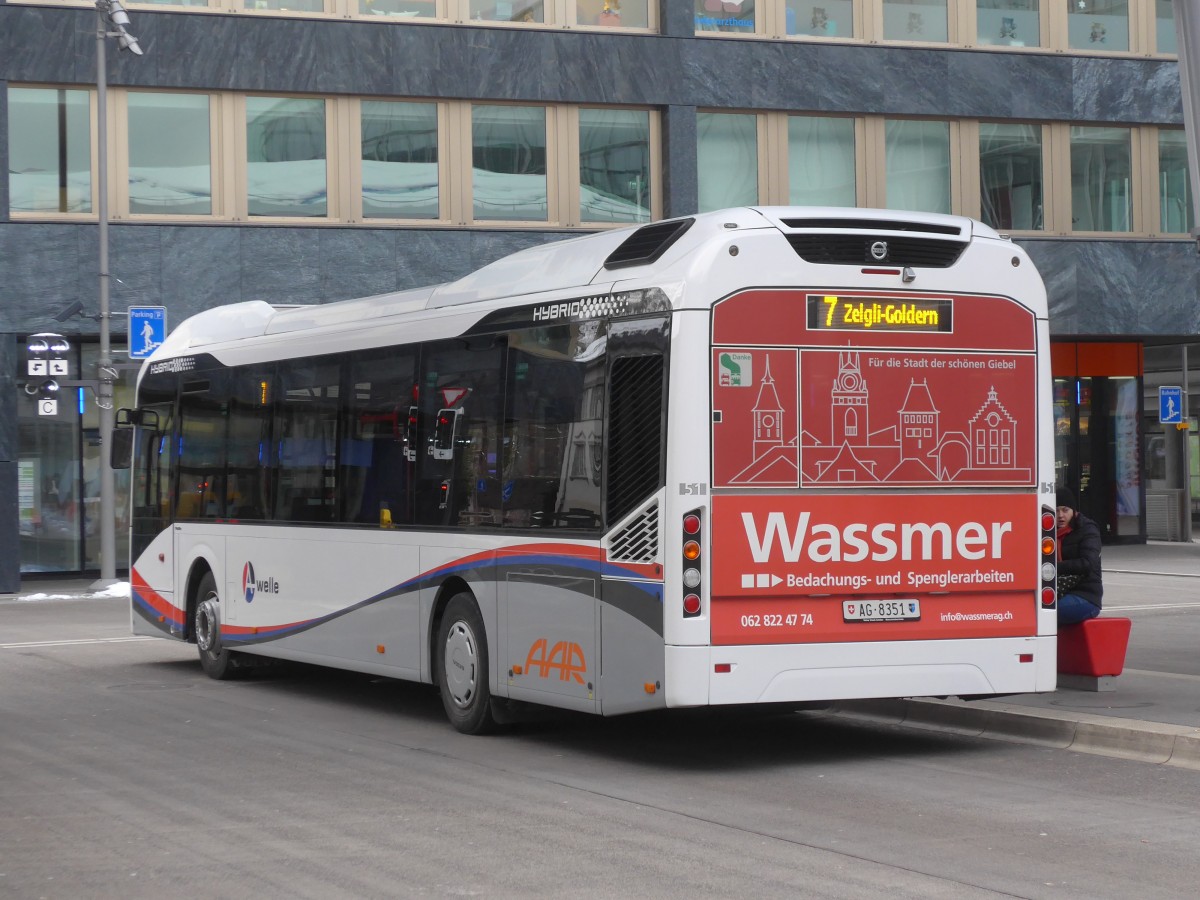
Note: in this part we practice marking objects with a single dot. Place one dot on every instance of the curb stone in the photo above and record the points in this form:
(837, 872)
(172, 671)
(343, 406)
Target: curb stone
(1153, 742)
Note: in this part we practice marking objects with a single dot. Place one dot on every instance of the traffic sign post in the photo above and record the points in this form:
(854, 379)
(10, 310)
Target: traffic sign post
(147, 330)
(1170, 405)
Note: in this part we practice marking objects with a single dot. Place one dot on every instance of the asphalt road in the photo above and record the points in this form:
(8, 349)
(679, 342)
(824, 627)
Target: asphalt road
(125, 773)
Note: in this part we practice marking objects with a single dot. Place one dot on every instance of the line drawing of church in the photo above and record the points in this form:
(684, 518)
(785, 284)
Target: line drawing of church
(914, 446)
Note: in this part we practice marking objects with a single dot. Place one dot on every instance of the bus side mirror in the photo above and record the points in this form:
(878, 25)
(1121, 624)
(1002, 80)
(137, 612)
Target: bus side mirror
(443, 433)
(142, 418)
(120, 451)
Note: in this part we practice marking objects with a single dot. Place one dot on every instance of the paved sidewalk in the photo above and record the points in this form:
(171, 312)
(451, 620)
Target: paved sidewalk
(1152, 715)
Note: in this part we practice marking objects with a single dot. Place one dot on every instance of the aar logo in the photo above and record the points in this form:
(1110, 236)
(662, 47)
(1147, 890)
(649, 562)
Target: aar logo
(252, 585)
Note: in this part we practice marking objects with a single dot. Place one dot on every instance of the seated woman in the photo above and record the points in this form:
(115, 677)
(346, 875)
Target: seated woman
(1080, 588)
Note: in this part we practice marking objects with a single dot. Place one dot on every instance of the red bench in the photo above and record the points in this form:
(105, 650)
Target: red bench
(1092, 654)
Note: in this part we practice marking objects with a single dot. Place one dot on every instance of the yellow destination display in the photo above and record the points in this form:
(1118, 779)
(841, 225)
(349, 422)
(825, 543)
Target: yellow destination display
(832, 312)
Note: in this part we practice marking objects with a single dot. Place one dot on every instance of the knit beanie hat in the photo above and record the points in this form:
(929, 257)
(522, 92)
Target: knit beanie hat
(1064, 496)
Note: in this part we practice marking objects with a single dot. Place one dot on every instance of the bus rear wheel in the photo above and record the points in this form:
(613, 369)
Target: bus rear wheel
(462, 666)
(217, 661)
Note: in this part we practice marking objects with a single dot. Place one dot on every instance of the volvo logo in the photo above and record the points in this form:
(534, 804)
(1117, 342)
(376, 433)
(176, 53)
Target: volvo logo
(879, 251)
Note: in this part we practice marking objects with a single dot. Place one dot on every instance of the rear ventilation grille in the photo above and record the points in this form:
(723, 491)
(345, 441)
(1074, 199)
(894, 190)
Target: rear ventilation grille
(635, 431)
(856, 250)
(873, 225)
(647, 244)
(637, 542)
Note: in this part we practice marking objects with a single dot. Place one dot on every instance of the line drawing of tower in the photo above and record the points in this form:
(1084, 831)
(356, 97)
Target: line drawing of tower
(848, 402)
(920, 426)
(768, 415)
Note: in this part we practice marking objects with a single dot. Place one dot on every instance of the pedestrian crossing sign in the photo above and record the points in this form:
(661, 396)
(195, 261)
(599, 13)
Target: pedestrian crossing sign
(147, 330)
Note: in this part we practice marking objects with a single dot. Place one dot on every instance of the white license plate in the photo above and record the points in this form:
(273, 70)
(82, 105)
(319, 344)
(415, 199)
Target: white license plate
(880, 610)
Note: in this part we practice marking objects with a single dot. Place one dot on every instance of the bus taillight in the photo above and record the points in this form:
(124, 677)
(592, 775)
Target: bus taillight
(692, 542)
(1049, 567)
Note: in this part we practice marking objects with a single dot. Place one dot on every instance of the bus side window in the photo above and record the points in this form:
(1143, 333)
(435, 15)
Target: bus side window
(553, 430)
(378, 431)
(203, 418)
(460, 404)
(248, 485)
(305, 439)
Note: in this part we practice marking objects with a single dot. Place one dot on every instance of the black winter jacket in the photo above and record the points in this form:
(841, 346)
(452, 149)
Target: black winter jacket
(1080, 550)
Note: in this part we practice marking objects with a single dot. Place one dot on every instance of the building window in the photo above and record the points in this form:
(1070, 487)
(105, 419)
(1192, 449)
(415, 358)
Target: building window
(819, 18)
(917, 172)
(399, 160)
(730, 16)
(1008, 23)
(1100, 179)
(404, 9)
(1010, 176)
(507, 11)
(1098, 25)
(509, 163)
(1174, 185)
(287, 5)
(170, 154)
(821, 166)
(915, 20)
(727, 159)
(49, 150)
(614, 165)
(1164, 26)
(613, 13)
(285, 157)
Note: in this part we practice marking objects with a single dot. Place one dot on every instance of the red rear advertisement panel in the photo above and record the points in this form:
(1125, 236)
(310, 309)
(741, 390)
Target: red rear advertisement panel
(922, 410)
(785, 567)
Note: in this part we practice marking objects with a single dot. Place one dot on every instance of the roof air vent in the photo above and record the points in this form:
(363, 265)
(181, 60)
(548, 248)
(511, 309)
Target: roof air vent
(647, 244)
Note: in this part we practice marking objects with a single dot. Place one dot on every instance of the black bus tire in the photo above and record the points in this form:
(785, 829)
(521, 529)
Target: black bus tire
(217, 661)
(461, 666)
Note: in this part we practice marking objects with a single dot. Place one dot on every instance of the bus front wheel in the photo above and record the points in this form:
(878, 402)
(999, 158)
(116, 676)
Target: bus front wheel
(217, 661)
(462, 666)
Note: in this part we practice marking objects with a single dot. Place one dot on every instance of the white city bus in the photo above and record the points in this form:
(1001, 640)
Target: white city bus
(762, 455)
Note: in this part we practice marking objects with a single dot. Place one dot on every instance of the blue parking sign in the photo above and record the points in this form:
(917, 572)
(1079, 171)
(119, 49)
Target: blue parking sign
(1170, 405)
(147, 330)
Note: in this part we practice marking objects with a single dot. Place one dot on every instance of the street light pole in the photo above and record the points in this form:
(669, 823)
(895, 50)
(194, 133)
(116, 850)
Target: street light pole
(109, 13)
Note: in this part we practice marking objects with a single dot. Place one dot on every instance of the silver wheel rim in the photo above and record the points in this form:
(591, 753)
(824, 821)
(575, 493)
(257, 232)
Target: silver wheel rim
(208, 629)
(461, 664)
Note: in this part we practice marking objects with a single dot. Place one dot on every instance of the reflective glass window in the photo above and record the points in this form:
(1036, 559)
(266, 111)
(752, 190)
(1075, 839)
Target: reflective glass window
(613, 13)
(170, 170)
(915, 20)
(509, 163)
(1174, 185)
(614, 165)
(1100, 179)
(285, 157)
(730, 16)
(1098, 25)
(727, 160)
(400, 9)
(49, 150)
(1008, 23)
(50, 494)
(821, 161)
(819, 18)
(1164, 27)
(305, 441)
(287, 5)
(508, 10)
(399, 160)
(1010, 176)
(380, 438)
(918, 165)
